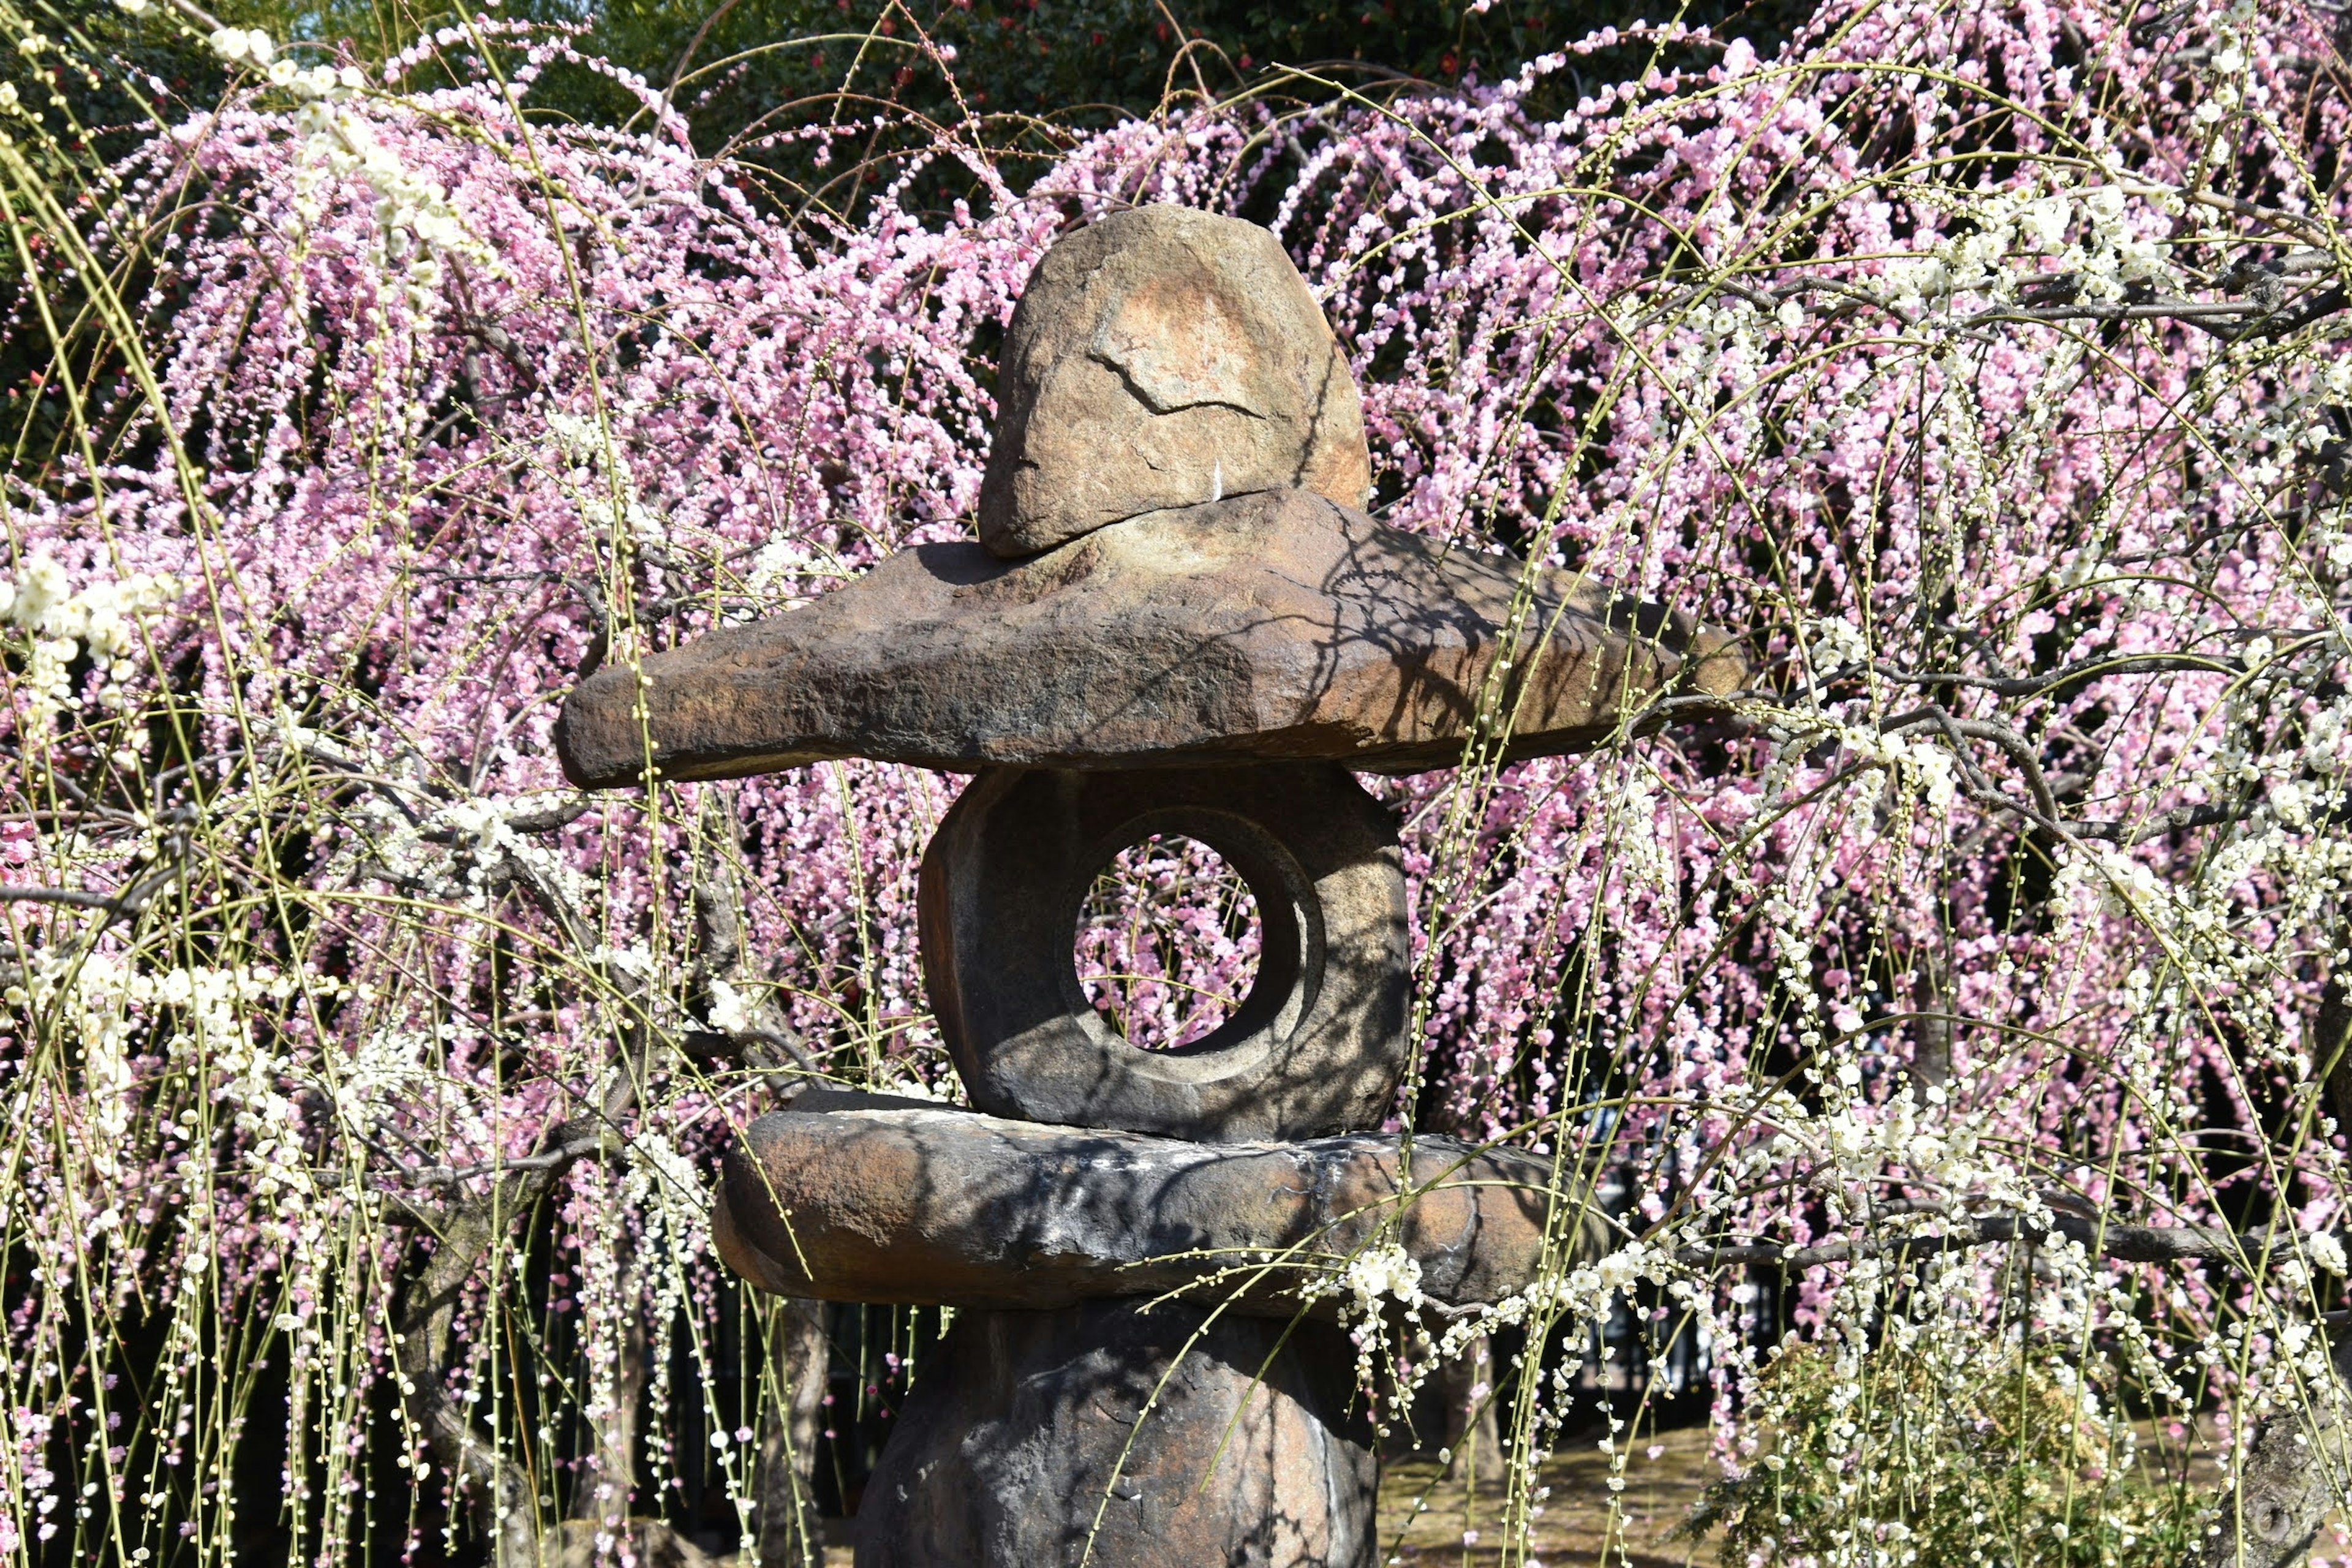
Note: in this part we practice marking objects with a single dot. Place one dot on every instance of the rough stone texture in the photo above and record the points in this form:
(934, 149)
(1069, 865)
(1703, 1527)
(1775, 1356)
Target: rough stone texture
(1272, 627)
(1164, 357)
(1316, 1046)
(1013, 1449)
(2293, 1478)
(897, 1202)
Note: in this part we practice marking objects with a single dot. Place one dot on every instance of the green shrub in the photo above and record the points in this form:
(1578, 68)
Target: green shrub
(1889, 1459)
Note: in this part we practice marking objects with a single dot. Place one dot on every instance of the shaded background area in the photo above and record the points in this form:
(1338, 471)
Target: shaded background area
(750, 69)
(822, 95)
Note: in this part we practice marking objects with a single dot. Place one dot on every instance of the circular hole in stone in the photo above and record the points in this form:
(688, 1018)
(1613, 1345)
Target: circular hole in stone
(1167, 944)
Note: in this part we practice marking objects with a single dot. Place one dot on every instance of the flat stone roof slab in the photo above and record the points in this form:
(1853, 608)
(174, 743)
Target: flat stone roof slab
(1274, 626)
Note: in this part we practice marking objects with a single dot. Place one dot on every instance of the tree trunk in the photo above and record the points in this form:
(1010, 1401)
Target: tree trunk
(799, 1357)
(1931, 1057)
(424, 1319)
(2297, 1473)
(2300, 1466)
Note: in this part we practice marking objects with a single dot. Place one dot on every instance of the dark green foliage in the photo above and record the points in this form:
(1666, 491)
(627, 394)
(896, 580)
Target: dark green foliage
(1063, 61)
(1915, 1457)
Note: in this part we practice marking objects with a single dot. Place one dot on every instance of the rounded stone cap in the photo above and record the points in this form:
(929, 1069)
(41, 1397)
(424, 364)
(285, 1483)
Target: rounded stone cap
(1163, 357)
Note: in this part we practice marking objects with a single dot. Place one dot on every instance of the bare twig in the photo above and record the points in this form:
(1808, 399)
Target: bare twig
(125, 901)
(2124, 1243)
(2089, 668)
(571, 1141)
(70, 897)
(2165, 823)
(545, 819)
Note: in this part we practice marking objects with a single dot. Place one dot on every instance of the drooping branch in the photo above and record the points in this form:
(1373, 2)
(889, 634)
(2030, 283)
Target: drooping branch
(798, 1354)
(2102, 1237)
(762, 1037)
(468, 1226)
(2081, 670)
(424, 1319)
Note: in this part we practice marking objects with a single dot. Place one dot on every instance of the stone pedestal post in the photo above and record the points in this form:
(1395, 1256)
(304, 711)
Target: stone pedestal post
(1105, 1432)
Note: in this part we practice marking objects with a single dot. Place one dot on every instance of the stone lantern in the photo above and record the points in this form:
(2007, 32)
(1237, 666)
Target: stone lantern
(1176, 620)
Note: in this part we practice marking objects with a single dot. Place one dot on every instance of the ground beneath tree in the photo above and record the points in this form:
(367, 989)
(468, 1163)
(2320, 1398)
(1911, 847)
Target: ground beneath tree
(1427, 1520)
(1424, 1516)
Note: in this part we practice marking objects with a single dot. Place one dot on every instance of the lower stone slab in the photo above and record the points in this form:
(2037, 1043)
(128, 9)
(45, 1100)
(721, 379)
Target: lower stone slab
(873, 1200)
(1121, 1437)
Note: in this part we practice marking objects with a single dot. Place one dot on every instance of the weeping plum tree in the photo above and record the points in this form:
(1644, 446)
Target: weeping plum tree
(1961, 1017)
